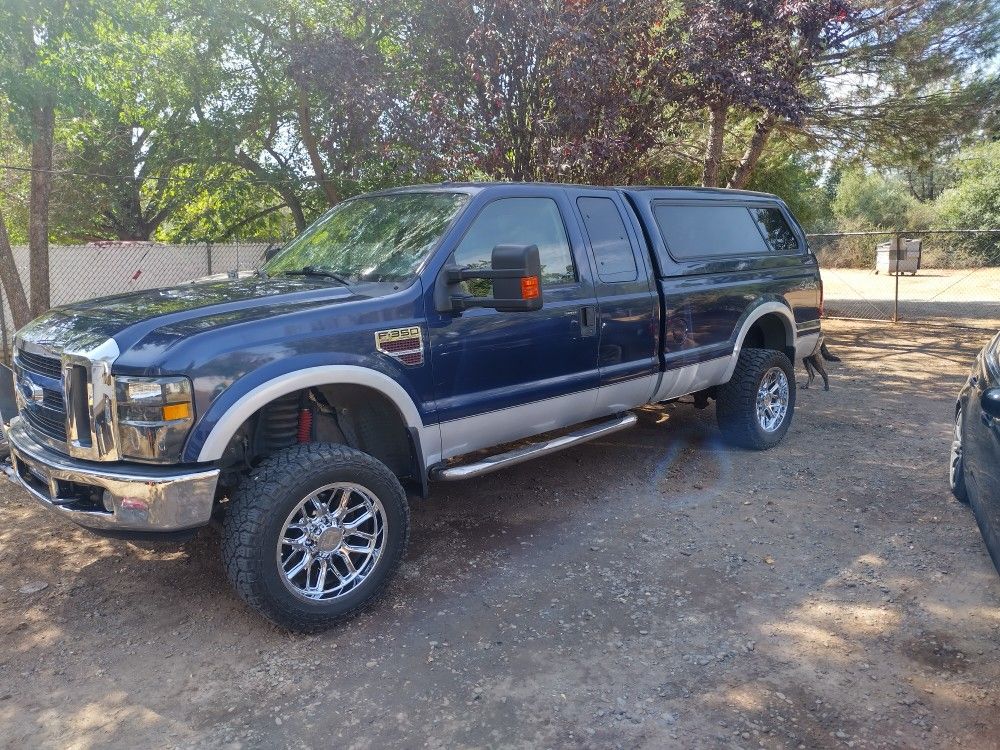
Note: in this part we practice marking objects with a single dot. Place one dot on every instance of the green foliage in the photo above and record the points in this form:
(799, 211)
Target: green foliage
(13, 184)
(216, 119)
(226, 206)
(974, 201)
(789, 172)
(868, 200)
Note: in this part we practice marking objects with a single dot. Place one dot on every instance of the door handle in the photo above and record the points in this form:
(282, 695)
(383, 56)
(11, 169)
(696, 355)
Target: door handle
(588, 320)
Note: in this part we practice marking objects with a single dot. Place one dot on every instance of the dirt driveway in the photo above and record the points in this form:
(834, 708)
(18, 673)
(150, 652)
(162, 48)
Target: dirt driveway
(932, 294)
(654, 589)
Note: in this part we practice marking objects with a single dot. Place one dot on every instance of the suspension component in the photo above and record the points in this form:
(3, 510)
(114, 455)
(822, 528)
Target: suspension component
(305, 425)
(279, 424)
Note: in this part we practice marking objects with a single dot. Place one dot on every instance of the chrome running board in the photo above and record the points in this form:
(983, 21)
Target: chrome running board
(445, 473)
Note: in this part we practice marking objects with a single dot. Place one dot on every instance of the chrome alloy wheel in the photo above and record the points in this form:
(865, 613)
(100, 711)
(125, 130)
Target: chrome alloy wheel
(772, 399)
(331, 541)
(956, 453)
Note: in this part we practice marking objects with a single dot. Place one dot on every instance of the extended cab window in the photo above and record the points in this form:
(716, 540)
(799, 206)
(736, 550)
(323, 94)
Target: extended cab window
(705, 231)
(518, 221)
(612, 249)
(776, 230)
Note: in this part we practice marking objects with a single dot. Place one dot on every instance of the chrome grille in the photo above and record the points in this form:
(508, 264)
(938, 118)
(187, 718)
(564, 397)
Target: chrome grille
(49, 422)
(47, 417)
(50, 367)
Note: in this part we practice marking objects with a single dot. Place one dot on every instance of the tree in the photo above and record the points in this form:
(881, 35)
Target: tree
(521, 90)
(868, 200)
(261, 114)
(974, 201)
(735, 55)
(43, 59)
(852, 76)
(789, 170)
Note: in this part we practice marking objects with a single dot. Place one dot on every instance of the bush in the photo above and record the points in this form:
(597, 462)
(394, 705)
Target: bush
(974, 202)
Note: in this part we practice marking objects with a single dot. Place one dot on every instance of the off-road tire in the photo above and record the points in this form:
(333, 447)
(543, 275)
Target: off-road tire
(257, 512)
(956, 472)
(736, 401)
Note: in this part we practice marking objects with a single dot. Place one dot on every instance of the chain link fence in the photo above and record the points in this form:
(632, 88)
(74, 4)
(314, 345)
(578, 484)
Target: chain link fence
(956, 279)
(78, 272)
(926, 276)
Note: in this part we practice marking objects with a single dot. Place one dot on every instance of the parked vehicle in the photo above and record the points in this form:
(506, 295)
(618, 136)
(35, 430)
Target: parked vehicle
(403, 338)
(975, 450)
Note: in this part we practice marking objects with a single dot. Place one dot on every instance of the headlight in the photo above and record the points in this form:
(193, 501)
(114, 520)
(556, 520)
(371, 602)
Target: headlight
(154, 417)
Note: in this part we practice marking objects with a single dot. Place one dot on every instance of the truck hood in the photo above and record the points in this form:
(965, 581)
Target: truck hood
(128, 318)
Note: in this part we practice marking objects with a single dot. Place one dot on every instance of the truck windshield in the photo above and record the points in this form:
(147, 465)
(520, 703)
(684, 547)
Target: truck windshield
(371, 238)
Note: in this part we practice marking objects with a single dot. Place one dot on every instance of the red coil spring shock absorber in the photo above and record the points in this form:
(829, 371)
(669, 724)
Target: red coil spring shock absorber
(305, 426)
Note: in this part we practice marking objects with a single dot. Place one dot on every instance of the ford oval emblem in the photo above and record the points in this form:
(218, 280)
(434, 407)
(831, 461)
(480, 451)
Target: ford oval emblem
(31, 391)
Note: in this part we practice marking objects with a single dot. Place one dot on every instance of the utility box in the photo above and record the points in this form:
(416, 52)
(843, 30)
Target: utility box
(908, 252)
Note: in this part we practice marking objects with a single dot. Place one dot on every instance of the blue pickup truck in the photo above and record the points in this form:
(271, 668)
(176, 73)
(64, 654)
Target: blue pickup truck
(422, 334)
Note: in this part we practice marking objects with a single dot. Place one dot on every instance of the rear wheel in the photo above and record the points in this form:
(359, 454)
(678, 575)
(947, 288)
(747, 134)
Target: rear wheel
(754, 409)
(314, 534)
(956, 469)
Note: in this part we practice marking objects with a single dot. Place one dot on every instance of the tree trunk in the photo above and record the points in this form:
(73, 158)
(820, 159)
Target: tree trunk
(751, 156)
(309, 140)
(717, 112)
(12, 287)
(42, 127)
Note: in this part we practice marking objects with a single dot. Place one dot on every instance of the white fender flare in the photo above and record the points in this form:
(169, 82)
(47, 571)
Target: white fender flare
(225, 428)
(759, 312)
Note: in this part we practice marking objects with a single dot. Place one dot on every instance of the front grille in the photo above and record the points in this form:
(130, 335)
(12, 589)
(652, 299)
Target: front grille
(53, 399)
(50, 367)
(50, 422)
(49, 416)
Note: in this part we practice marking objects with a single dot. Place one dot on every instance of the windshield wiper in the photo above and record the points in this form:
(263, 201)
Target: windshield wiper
(316, 271)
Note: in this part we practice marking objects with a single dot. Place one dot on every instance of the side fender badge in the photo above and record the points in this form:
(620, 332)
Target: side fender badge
(405, 345)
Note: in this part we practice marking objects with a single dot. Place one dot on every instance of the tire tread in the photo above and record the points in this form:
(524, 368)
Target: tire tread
(735, 406)
(247, 514)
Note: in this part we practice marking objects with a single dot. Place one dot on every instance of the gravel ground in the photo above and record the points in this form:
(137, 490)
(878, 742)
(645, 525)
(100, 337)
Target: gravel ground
(653, 589)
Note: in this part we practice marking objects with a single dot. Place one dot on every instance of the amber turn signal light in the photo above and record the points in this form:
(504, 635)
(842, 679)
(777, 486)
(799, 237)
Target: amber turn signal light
(529, 287)
(176, 411)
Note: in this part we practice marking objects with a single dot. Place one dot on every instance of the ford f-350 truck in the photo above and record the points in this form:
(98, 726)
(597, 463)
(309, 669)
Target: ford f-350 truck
(421, 334)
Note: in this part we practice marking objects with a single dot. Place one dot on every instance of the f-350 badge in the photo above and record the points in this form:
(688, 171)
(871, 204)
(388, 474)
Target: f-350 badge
(403, 344)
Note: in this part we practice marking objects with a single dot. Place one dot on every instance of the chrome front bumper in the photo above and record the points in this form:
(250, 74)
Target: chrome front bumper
(126, 497)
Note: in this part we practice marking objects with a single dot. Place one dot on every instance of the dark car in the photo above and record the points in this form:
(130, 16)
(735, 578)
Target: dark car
(975, 451)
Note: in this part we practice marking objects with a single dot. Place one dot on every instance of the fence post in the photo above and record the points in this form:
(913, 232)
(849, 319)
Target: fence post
(895, 301)
(208, 257)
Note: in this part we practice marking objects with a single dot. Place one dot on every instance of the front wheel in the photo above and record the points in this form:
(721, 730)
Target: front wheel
(754, 409)
(313, 534)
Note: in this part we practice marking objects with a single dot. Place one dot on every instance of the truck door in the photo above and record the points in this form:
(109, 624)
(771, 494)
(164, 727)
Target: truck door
(500, 376)
(628, 308)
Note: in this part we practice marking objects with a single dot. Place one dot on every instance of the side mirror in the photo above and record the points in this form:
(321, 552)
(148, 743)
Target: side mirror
(516, 273)
(991, 403)
(271, 252)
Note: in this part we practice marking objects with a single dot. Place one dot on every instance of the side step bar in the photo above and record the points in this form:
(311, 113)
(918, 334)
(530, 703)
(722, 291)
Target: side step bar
(527, 452)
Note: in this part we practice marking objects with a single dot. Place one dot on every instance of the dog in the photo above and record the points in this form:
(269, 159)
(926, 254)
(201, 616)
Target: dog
(814, 364)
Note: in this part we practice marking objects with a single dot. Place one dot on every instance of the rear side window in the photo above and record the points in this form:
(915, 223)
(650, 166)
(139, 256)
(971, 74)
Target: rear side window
(608, 237)
(776, 230)
(706, 231)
